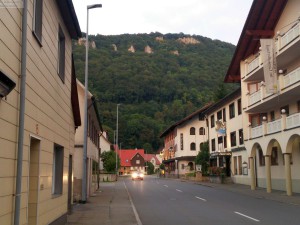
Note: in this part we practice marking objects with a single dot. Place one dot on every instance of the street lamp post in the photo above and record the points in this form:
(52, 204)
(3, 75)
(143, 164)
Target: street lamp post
(84, 171)
(117, 136)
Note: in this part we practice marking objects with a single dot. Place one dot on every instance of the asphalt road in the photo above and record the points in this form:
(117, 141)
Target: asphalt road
(160, 201)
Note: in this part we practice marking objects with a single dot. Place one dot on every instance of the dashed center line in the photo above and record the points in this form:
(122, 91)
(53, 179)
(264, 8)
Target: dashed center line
(178, 190)
(200, 198)
(251, 218)
(166, 185)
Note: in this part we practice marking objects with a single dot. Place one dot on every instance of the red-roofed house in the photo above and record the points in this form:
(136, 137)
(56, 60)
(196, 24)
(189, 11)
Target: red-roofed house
(131, 159)
(153, 159)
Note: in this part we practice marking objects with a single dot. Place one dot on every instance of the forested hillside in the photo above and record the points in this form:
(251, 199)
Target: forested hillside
(159, 79)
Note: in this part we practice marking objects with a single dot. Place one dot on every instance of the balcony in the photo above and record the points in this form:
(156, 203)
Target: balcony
(288, 46)
(272, 127)
(288, 91)
(293, 121)
(254, 69)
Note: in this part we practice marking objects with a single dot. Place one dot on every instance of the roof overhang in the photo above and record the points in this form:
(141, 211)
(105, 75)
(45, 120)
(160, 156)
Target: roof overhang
(68, 13)
(261, 21)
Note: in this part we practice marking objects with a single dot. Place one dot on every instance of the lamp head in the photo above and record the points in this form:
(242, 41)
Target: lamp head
(94, 6)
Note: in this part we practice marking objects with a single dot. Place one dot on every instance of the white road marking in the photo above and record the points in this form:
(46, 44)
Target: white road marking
(251, 218)
(178, 190)
(139, 222)
(201, 198)
(166, 185)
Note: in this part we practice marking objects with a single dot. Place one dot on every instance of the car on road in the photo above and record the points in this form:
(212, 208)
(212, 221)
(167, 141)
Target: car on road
(137, 175)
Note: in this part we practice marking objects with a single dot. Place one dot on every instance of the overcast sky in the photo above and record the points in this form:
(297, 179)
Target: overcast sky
(216, 19)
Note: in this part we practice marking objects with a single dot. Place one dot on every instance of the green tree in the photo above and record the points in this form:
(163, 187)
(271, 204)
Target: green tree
(109, 161)
(150, 168)
(203, 158)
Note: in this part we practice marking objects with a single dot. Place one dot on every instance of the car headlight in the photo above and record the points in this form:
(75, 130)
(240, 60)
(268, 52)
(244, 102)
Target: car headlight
(141, 175)
(134, 175)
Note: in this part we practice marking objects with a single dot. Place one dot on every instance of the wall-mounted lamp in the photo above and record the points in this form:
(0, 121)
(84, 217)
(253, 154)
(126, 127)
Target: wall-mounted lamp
(6, 85)
(283, 111)
(282, 71)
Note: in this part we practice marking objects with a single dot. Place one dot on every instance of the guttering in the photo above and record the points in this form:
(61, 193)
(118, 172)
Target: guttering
(21, 116)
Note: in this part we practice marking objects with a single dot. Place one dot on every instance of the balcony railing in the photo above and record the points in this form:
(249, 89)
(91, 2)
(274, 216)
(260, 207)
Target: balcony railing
(257, 131)
(255, 97)
(253, 65)
(292, 77)
(274, 126)
(280, 125)
(293, 121)
(288, 36)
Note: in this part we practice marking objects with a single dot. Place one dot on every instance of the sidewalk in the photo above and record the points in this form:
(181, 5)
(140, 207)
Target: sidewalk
(111, 205)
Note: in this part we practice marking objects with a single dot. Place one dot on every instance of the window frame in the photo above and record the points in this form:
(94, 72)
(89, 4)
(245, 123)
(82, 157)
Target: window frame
(193, 146)
(231, 111)
(61, 58)
(57, 170)
(192, 131)
(37, 21)
(212, 121)
(233, 140)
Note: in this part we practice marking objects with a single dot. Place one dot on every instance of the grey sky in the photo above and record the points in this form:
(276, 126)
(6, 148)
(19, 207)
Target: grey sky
(216, 19)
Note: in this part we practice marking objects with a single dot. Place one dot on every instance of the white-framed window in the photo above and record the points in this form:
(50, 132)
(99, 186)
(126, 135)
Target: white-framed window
(57, 170)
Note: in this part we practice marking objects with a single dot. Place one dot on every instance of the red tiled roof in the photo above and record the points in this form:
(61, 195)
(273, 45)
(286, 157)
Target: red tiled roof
(127, 154)
(261, 21)
(148, 158)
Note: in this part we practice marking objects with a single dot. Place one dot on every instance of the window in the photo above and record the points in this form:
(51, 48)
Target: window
(231, 111)
(213, 145)
(241, 137)
(202, 131)
(212, 121)
(240, 164)
(137, 161)
(225, 141)
(193, 146)
(233, 139)
(274, 156)
(261, 157)
(201, 146)
(298, 104)
(192, 131)
(181, 141)
(61, 54)
(38, 19)
(220, 140)
(224, 115)
(235, 165)
(57, 170)
(272, 115)
(219, 115)
(239, 102)
(182, 166)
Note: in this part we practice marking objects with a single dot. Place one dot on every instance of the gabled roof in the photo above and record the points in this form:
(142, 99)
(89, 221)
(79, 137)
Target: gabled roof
(148, 158)
(68, 14)
(261, 21)
(185, 119)
(127, 154)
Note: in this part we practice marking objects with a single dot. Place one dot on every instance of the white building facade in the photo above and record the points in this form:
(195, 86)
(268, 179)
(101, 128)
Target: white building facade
(183, 141)
(270, 82)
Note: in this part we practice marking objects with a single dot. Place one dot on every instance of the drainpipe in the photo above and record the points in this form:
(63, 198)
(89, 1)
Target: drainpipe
(21, 116)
